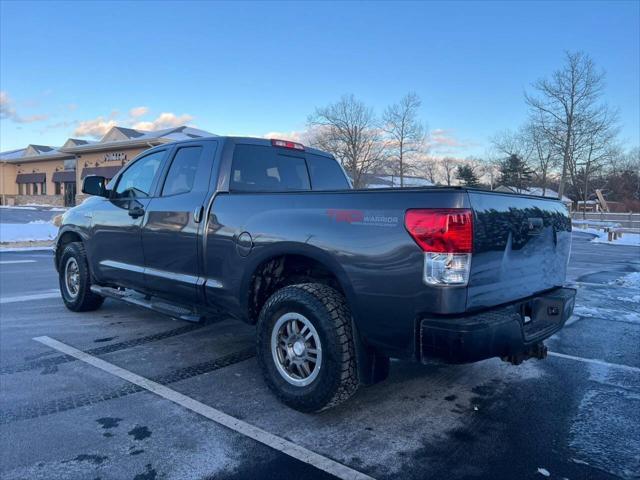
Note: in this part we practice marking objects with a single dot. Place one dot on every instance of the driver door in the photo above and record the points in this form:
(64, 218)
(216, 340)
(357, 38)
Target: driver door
(116, 245)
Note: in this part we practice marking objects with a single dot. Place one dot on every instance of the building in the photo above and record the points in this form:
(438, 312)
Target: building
(45, 175)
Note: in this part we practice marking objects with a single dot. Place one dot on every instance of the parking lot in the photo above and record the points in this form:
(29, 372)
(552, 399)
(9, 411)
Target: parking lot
(575, 415)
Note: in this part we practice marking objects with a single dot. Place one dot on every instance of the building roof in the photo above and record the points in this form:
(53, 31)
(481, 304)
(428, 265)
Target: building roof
(33, 153)
(119, 137)
(115, 138)
(533, 191)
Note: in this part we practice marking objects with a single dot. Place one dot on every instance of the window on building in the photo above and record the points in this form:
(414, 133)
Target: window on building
(58, 187)
(43, 188)
(182, 172)
(21, 189)
(34, 189)
(258, 168)
(137, 180)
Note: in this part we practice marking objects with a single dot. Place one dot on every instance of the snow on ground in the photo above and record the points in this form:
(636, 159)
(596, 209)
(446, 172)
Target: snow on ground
(629, 280)
(18, 207)
(602, 237)
(27, 232)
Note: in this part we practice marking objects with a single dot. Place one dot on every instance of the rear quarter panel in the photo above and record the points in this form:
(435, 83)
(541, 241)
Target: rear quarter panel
(359, 235)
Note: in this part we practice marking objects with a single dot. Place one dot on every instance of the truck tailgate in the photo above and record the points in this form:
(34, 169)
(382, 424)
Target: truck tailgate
(521, 247)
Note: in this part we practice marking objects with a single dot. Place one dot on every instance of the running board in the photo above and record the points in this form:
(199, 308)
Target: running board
(150, 303)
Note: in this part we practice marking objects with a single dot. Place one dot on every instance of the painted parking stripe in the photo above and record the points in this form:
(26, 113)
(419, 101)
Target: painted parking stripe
(10, 262)
(595, 361)
(269, 439)
(27, 298)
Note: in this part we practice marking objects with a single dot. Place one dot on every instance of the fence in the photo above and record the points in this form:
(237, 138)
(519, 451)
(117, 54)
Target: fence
(625, 220)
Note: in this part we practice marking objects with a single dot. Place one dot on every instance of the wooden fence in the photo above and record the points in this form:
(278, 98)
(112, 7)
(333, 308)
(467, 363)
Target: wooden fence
(625, 220)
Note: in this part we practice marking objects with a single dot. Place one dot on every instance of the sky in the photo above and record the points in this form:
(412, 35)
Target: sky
(75, 69)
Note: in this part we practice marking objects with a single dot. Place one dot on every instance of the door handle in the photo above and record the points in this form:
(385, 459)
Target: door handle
(136, 212)
(197, 214)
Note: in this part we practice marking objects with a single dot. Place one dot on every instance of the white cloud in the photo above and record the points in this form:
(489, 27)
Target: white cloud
(138, 112)
(293, 136)
(95, 128)
(8, 111)
(164, 120)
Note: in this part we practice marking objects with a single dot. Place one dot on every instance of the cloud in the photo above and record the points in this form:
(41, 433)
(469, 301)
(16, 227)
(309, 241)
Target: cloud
(8, 111)
(138, 112)
(95, 128)
(293, 136)
(446, 138)
(164, 120)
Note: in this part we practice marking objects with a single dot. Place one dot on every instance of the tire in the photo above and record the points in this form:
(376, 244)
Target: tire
(327, 313)
(77, 294)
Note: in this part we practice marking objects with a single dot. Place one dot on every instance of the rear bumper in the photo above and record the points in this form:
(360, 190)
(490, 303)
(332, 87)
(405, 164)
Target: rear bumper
(501, 332)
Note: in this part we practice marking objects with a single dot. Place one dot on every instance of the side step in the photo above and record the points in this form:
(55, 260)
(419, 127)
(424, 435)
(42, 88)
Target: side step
(155, 304)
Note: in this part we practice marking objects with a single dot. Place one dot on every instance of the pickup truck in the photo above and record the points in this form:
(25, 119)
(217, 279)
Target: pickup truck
(336, 280)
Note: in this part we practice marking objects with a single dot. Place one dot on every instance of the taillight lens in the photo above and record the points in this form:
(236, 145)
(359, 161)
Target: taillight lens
(446, 236)
(441, 230)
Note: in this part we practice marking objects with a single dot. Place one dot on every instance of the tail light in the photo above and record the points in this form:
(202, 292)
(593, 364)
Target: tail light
(286, 144)
(446, 237)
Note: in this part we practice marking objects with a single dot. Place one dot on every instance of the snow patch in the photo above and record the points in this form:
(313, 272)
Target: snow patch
(27, 232)
(634, 299)
(601, 236)
(543, 471)
(630, 280)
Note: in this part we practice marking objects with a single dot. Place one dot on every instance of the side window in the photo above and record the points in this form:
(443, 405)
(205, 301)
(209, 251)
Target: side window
(136, 181)
(182, 173)
(326, 174)
(258, 168)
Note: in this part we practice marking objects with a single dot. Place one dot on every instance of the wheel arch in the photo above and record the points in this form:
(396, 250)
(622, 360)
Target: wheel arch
(297, 258)
(67, 235)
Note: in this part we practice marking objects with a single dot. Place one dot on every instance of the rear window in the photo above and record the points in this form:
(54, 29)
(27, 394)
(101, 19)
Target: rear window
(257, 168)
(326, 174)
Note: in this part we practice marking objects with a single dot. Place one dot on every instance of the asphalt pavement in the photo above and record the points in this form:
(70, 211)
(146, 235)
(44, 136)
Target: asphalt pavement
(575, 415)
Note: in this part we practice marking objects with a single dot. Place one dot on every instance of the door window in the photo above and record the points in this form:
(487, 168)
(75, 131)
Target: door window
(137, 180)
(182, 173)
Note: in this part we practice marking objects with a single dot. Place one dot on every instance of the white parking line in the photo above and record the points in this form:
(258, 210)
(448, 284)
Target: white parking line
(27, 298)
(269, 439)
(9, 262)
(594, 361)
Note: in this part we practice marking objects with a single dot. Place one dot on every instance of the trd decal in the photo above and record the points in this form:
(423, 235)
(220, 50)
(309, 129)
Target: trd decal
(363, 217)
(348, 216)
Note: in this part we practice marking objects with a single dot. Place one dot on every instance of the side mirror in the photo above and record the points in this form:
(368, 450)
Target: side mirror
(95, 185)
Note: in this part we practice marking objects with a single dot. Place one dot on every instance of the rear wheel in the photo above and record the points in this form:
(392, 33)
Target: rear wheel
(305, 347)
(75, 280)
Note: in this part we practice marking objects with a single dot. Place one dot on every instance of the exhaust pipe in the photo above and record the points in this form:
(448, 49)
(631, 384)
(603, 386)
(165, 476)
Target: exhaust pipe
(537, 350)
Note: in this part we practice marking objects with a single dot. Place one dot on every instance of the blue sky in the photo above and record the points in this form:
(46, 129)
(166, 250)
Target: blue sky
(71, 69)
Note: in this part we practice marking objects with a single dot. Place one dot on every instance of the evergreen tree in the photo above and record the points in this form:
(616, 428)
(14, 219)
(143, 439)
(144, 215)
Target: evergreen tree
(514, 172)
(467, 176)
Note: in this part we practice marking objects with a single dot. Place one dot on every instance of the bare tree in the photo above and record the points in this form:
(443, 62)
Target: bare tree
(509, 142)
(449, 166)
(566, 101)
(428, 167)
(406, 135)
(348, 130)
(544, 154)
(594, 146)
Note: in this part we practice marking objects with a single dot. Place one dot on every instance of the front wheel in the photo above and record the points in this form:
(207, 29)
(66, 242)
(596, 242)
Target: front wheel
(305, 347)
(75, 280)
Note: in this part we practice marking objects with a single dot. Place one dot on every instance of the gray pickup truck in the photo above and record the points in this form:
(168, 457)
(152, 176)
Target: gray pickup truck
(337, 280)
